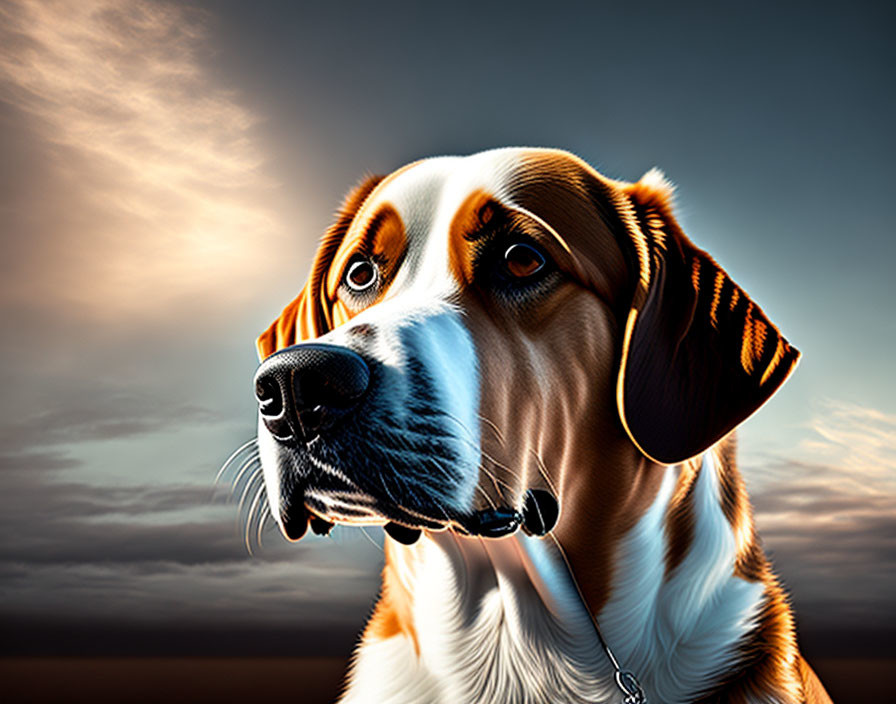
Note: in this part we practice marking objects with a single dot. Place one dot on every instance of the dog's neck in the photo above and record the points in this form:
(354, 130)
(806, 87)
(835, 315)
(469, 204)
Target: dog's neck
(685, 624)
(488, 621)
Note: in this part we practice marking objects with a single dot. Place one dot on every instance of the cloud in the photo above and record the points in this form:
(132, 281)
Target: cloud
(148, 559)
(144, 187)
(137, 216)
(303, 595)
(828, 518)
(96, 412)
(863, 439)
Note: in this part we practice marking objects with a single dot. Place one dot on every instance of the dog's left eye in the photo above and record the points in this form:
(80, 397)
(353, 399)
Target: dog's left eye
(361, 275)
(523, 260)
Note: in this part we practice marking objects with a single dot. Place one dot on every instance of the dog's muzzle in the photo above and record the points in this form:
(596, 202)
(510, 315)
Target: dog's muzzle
(303, 390)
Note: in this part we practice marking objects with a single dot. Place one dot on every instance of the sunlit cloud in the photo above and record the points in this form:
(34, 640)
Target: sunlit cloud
(148, 188)
(863, 441)
(828, 516)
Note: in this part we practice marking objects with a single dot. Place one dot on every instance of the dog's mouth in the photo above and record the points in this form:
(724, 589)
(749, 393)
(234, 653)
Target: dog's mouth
(310, 507)
(342, 480)
(320, 508)
(370, 474)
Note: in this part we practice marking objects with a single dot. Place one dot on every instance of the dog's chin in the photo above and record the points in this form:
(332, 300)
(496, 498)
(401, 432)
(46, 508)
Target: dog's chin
(377, 512)
(321, 512)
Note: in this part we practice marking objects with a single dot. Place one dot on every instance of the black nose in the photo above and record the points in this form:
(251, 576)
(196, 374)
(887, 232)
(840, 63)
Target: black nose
(302, 390)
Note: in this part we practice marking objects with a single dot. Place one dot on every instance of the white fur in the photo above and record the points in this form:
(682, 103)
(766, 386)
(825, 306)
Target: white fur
(656, 179)
(680, 633)
(490, 631)
(391, 673)
(499, 621)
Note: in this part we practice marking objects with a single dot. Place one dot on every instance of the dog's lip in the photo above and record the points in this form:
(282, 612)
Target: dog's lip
(376, 511)
(537, 517)
(294, 523)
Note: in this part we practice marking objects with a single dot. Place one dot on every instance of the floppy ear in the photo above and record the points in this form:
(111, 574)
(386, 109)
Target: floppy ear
(698, 356)
(310, 314)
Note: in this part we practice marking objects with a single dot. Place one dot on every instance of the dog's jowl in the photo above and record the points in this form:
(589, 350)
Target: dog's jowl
(530, 376)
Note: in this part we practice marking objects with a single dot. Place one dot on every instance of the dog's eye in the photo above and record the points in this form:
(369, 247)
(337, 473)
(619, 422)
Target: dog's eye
(361, 275)
(523, 260)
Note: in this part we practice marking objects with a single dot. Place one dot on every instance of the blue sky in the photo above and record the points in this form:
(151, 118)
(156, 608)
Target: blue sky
(167, 169)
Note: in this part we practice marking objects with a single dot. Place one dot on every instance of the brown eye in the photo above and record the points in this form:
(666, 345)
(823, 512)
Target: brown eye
(361, 275)
(523, 260)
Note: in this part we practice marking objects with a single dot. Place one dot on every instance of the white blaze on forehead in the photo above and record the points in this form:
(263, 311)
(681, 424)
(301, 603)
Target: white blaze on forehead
(427, 197)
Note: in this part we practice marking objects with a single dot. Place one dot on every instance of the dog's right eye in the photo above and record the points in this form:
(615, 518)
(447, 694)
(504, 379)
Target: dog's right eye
(361, 275)
(515, 267)
(522, 260)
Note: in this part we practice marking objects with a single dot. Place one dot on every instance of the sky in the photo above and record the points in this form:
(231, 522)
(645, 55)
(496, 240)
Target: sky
(167, 169)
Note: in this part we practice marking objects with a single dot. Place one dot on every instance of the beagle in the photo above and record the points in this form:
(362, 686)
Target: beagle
(530, 376)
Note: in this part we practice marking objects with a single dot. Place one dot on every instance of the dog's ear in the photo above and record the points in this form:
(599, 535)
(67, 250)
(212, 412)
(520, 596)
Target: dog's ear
(698, 356)
(310, 315)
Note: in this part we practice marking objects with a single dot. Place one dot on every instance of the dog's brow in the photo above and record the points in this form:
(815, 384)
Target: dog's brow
(489, 220)
(480, 234)
(382, 233)
(494, 217)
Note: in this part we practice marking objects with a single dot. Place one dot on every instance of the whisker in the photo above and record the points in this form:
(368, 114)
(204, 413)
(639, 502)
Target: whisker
(251, 482)
(323, 466)
(450, 416)
(382, 478)
(265, 515)
(248, 462)
(543, 471)
(494, 427)
(512, 472)
(399, 445)
(485, 494)
(490, 476)
(236, 453)
(372, 541)
(496, 481)
(401, 439)
(252, 510)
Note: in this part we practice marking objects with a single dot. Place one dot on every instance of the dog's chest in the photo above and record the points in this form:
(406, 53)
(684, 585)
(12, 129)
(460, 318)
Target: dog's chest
(495, 621)
(501, 620)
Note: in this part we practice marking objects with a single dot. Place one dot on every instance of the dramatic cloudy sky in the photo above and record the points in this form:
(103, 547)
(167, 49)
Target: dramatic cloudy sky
(167, 169)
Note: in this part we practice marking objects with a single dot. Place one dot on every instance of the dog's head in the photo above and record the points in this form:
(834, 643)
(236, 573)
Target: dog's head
(475, 327)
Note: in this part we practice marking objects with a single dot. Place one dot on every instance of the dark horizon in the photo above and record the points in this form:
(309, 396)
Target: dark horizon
(91, 639)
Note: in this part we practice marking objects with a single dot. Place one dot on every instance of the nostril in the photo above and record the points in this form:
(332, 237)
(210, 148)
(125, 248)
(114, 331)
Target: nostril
(311, 420)
(305, 389)
(270, 400)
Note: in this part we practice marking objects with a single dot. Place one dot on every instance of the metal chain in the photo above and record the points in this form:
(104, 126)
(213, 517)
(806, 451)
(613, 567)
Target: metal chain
(628, 684)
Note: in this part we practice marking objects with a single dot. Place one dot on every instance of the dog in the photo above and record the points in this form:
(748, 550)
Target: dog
(530, 376)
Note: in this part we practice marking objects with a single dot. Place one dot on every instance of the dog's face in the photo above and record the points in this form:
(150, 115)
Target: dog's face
(474, 327)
